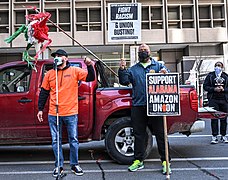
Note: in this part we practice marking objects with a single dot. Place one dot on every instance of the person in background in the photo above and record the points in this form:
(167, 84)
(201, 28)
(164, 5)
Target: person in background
(68, 78)
(216, 85)
(136, 75)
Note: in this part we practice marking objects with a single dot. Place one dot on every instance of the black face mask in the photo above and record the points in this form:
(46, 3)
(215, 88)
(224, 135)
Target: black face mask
(143, 56)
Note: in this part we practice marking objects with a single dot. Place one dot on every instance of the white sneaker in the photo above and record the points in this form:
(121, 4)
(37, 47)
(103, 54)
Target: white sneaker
(76, 169)
(55, 172)
(224, 139)
(214, 140)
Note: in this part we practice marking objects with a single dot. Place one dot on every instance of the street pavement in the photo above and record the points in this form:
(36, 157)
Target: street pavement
(193, 158)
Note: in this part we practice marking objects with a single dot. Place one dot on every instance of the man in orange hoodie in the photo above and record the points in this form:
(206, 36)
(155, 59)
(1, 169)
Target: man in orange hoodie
(68, 78)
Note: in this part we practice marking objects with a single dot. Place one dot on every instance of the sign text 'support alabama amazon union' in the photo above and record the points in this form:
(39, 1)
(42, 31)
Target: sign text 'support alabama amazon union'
(163, 94)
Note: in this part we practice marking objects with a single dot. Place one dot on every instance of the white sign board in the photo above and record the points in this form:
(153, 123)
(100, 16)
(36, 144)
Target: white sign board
(124, 22)
(163, 94)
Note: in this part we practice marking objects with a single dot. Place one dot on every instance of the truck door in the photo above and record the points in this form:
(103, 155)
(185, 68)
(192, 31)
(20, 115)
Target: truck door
(85, 118)
(17, 103)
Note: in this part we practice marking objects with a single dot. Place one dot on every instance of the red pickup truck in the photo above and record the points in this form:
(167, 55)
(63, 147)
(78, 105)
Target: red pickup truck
(104, 110)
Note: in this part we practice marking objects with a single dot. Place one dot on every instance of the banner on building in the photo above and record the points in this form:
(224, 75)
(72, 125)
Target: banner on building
(124, 22)
(163, 97)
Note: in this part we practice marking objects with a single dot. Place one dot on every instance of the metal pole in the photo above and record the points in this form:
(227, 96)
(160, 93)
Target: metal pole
(57, 117)
(86, 49)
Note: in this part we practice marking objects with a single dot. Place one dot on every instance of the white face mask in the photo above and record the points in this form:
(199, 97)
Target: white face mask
(58, 60)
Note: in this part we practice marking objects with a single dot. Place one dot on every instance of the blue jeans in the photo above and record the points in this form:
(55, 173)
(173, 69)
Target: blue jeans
(71, 123)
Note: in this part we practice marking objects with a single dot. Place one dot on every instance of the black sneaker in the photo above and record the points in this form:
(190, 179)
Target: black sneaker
(77, 170)
(55, 172)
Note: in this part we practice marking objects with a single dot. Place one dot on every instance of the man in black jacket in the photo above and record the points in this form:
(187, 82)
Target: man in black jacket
(216, 85)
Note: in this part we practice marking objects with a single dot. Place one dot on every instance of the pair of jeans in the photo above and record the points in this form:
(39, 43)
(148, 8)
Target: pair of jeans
(71, 123)
(140, 121)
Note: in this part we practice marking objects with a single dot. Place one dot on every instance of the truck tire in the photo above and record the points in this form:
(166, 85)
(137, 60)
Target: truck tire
(119, 141)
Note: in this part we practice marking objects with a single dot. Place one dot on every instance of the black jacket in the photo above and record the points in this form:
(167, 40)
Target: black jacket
(209, 86)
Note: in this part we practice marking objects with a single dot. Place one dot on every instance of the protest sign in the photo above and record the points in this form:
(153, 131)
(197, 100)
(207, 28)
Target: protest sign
(124, 22)
(163, 96)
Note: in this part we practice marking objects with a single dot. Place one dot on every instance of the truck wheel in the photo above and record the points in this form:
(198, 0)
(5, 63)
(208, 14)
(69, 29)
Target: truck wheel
(119, 141)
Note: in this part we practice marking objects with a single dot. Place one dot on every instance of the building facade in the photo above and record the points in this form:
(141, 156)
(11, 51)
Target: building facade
(186, 34)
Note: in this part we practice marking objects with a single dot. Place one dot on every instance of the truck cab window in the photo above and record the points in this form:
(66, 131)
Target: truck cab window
(15, 79)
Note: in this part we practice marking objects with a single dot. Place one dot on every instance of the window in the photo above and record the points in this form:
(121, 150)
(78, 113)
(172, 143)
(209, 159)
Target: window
(88, 19)
(94, 19)
(174, 17)
(61, 17)
(76, 64)
(145, 18)
(152, 17)
(156, 18)
(211, 15)
(187, 12)
(218, 12)
(64, 19)
(173, 13)
(19, 17)
(4, 21)
(53, 19)
(181, 16)
(218, 16)
(204, 12)
(53, 15)
(187, 17)
(81, 19)
(15, 79)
